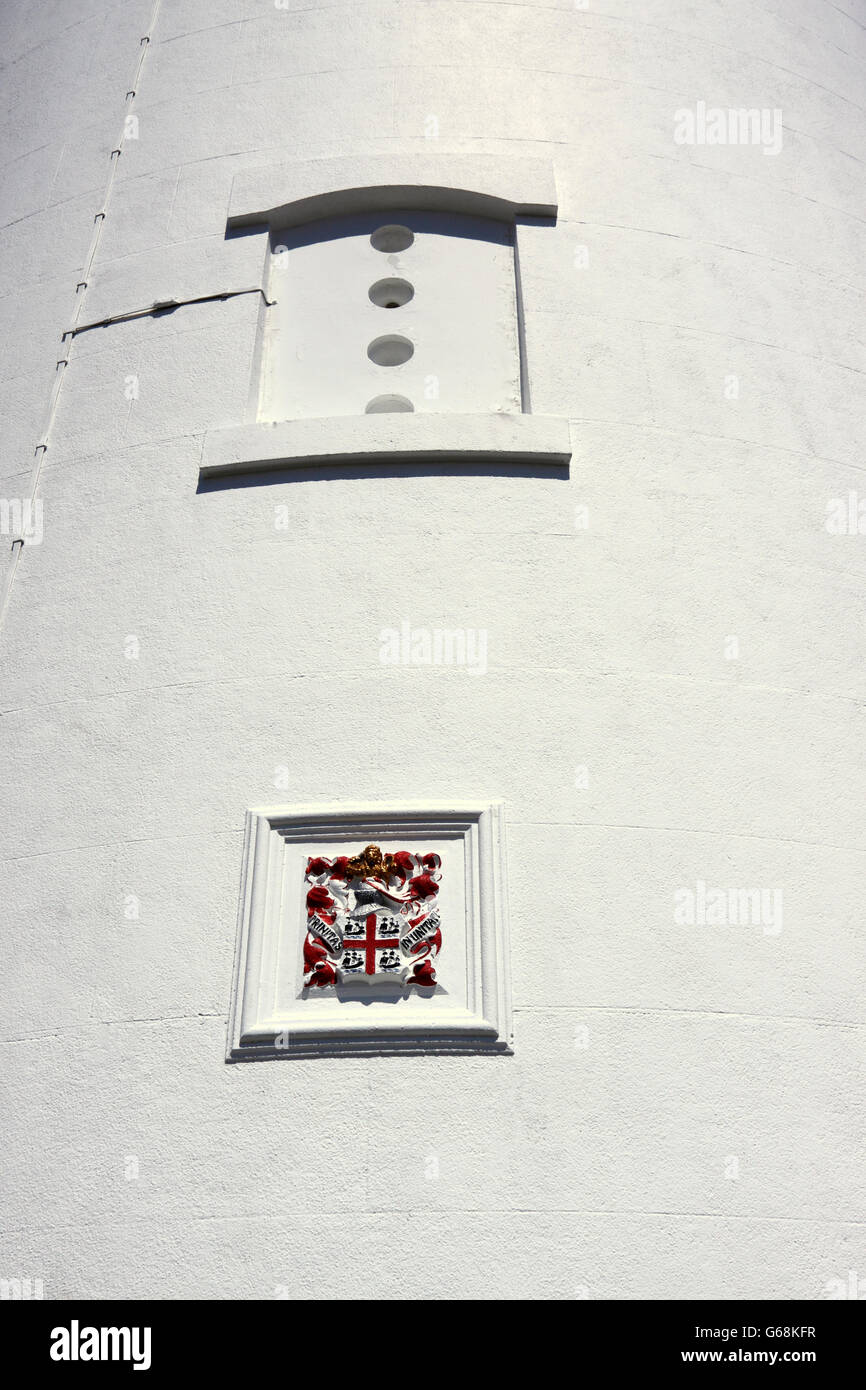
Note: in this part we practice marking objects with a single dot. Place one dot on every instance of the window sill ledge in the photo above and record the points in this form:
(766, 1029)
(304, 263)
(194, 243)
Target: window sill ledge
(387, 438)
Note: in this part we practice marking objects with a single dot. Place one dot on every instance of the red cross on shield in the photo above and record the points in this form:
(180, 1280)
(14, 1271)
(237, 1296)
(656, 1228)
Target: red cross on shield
(365, 953)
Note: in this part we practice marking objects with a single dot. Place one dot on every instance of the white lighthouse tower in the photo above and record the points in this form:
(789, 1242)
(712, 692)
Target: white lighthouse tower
(436, 428)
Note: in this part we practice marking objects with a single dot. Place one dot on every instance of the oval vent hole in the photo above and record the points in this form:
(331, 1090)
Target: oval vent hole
(390, 350)
(384, 405)
(392, 238)
(391, 294)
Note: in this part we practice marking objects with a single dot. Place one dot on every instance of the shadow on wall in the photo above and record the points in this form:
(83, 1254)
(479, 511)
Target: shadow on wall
(267, 477)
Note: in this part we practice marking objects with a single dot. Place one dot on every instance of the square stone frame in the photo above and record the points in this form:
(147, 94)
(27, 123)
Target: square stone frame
(259, 1030)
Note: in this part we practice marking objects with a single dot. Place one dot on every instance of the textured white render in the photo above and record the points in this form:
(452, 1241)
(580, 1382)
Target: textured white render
(683, 1112)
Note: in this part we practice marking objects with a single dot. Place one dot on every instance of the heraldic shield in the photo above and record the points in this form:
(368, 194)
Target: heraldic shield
(372, 918)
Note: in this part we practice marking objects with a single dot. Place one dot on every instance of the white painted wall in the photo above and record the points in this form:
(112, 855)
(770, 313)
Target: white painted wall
(648, 1054)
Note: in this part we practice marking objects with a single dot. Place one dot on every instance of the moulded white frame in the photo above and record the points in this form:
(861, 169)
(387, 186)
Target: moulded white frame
(387, 438)
(294, 192)
(259, 1030)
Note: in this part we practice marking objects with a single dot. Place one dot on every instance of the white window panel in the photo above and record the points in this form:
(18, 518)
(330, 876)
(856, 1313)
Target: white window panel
(411, 311)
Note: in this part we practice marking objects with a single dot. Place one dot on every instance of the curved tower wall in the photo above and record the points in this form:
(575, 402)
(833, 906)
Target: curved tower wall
(672, 694)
